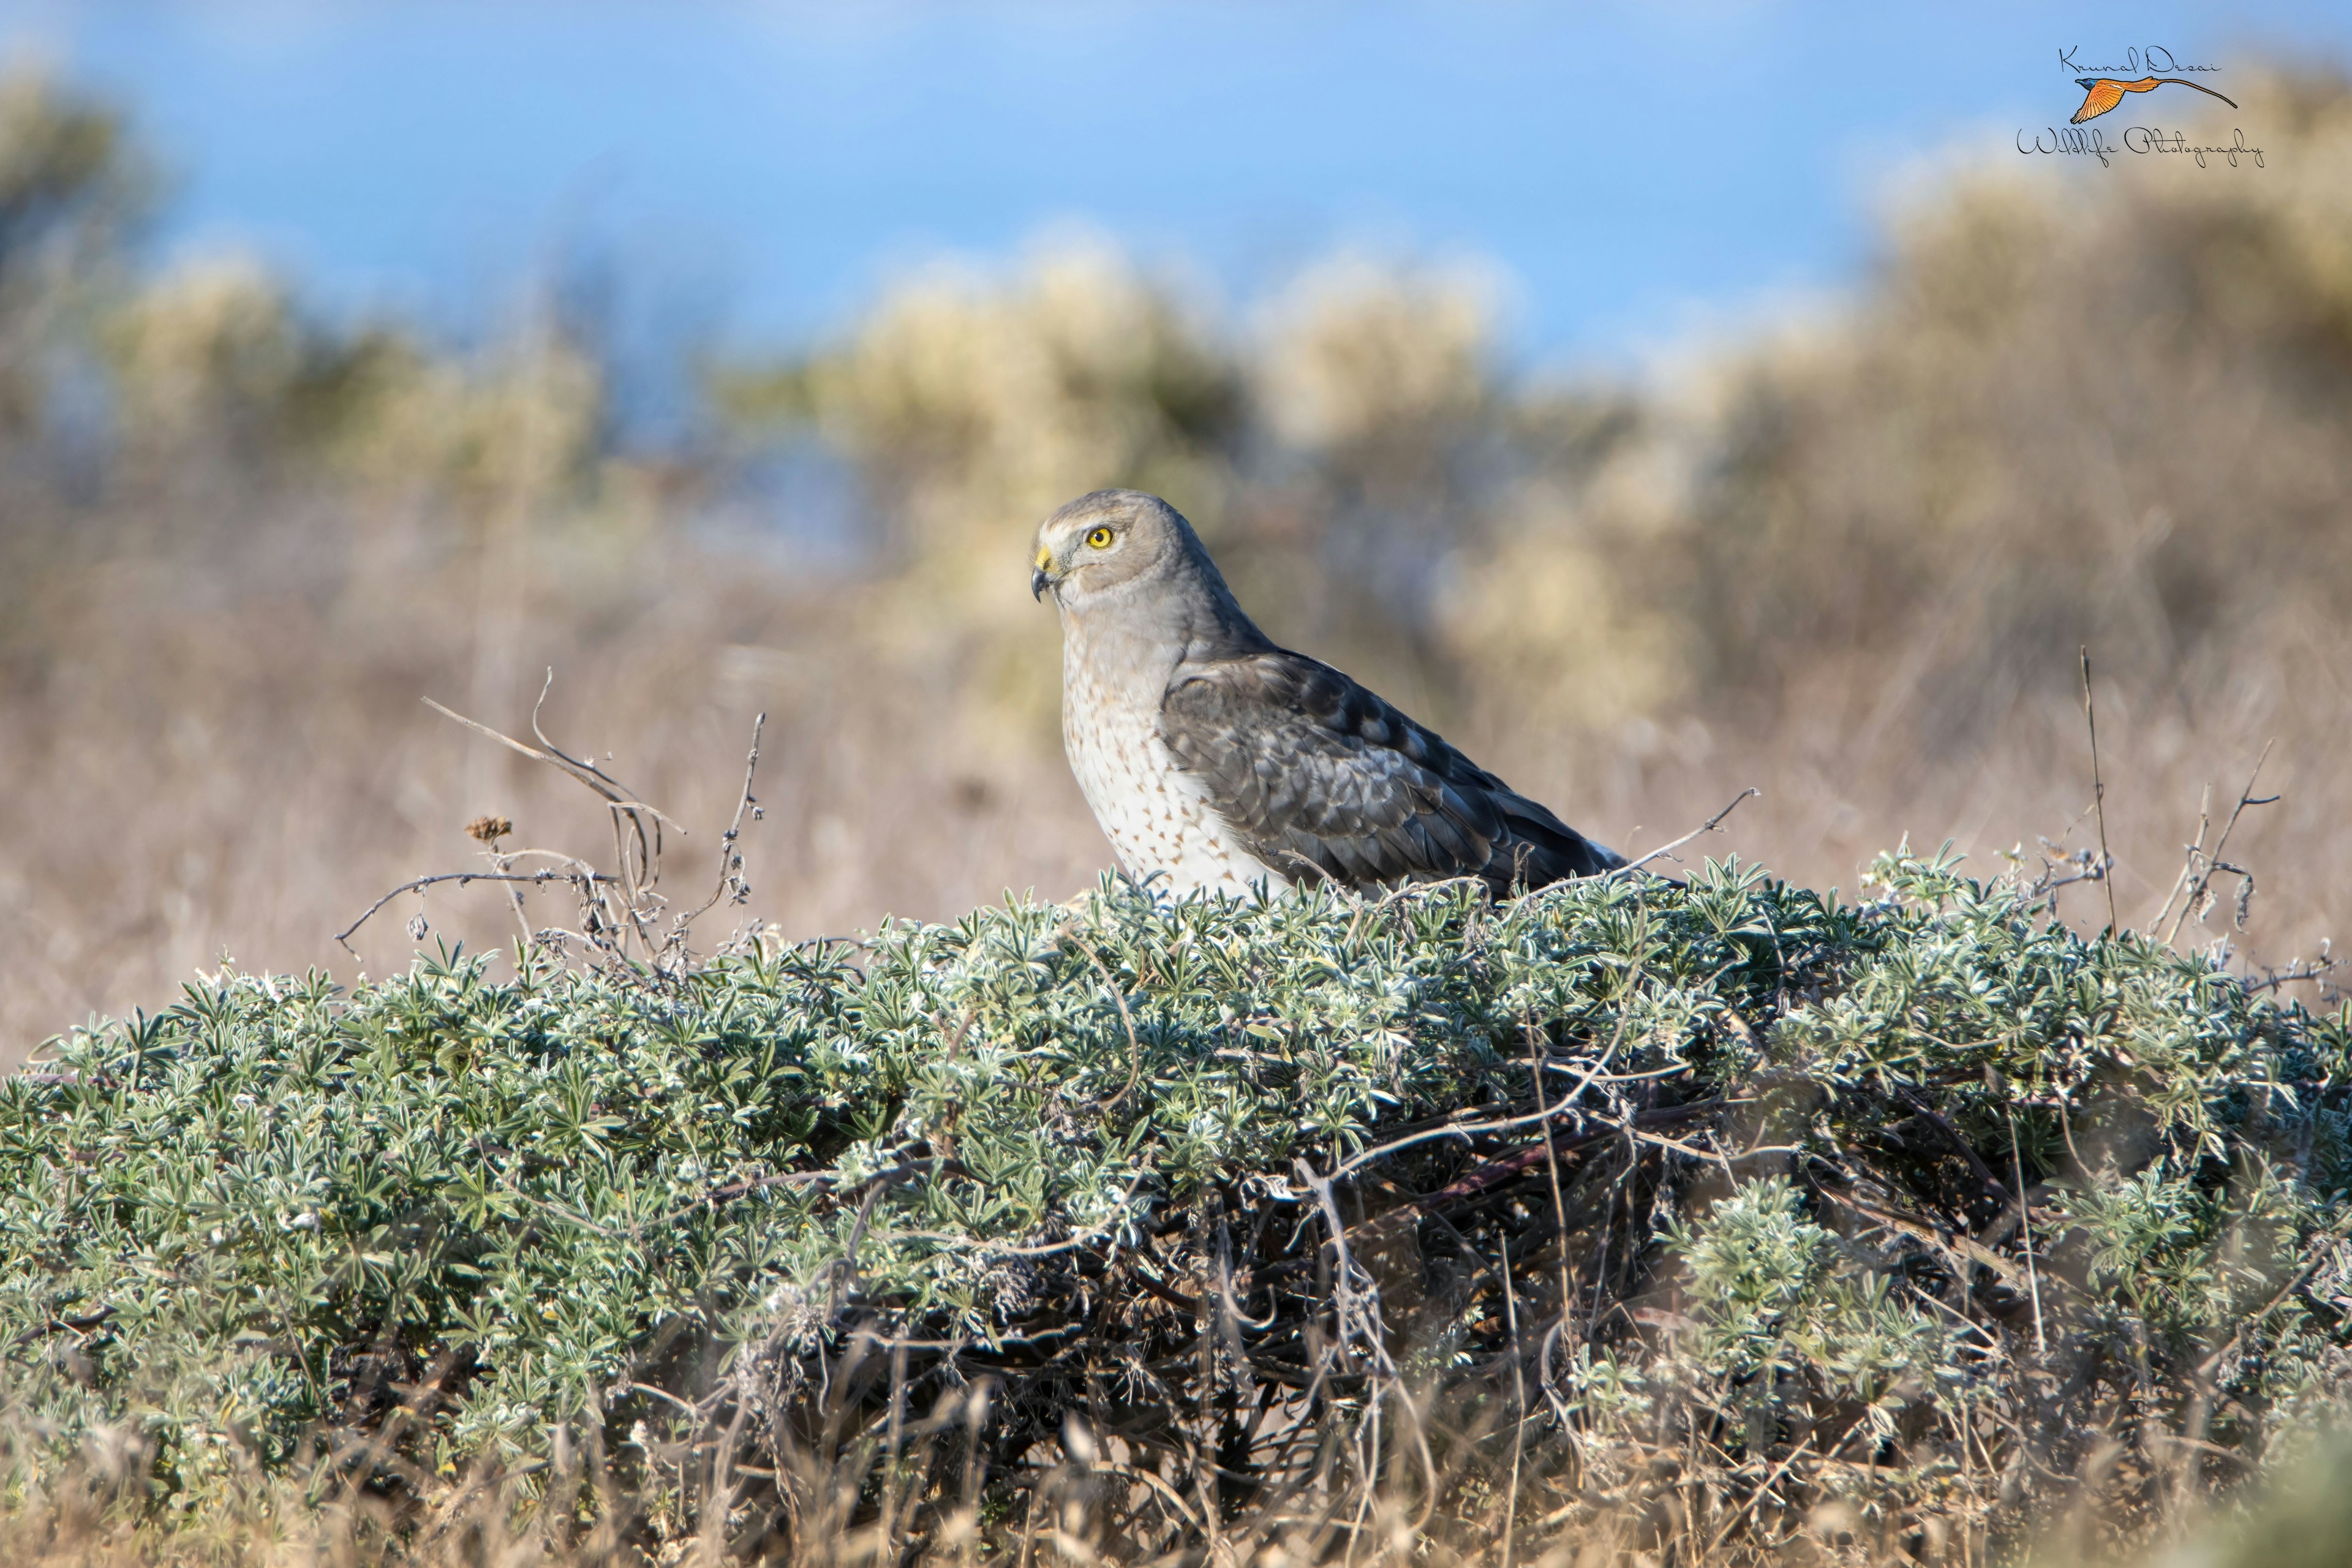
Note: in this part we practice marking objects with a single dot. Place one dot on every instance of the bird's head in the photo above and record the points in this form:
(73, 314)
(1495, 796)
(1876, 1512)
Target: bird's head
(1127, 560)
(1108, 545)
(2086, 83)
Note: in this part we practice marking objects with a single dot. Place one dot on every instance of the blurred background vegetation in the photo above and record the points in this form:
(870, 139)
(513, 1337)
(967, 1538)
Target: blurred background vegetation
(1848, 559)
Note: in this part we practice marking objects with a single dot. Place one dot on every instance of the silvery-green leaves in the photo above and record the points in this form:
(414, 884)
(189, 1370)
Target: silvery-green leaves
(277, 1202)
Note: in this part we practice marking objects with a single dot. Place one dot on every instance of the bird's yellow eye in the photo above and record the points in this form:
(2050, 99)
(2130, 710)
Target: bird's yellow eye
(1099, 538)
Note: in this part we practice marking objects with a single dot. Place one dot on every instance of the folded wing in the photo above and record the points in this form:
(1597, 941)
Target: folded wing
(1319, 778)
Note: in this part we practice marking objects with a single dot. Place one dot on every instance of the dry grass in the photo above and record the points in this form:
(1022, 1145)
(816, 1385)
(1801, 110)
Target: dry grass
(1851, 567)
(248, 774)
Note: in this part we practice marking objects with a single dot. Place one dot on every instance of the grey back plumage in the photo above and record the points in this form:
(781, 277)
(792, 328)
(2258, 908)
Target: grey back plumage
(1321, 778)
(1311, 774)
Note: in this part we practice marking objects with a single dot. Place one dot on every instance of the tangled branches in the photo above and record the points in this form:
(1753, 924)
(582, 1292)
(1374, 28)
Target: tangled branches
(620, 912)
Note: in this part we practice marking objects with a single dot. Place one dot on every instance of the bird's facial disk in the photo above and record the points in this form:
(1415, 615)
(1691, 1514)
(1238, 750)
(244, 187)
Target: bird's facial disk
(1084, 554)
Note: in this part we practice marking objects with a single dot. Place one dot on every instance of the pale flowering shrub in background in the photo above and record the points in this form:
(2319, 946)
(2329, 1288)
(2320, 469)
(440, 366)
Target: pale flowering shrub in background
(1358, 353)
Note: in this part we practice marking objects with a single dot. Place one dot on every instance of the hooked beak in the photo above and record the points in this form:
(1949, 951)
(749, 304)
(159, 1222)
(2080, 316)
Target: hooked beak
(1038, 579)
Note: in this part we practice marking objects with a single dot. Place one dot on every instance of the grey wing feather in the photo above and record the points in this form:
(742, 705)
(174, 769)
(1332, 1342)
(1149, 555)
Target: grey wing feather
(1319, 778)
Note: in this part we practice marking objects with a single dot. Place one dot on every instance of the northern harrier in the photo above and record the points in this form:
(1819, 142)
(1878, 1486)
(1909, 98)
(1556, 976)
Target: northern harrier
(1212, 756)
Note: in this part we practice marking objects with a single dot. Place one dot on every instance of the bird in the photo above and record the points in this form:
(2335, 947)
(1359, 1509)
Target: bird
(1216, 760)
(2104, 92)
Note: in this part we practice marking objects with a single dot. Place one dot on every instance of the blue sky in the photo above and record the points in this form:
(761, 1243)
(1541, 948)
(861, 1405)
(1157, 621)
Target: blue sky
(1638, 170)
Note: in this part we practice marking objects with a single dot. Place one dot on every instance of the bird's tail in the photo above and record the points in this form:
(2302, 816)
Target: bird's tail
(1539, 849)
(2184, 82)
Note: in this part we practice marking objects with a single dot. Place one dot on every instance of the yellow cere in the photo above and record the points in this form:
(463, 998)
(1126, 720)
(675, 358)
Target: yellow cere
(1044, 558)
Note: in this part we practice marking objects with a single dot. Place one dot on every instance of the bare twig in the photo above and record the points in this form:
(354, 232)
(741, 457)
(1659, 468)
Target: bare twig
(2296, 971)
(1707, 827)
(461, 879)
(2098, 801)
(2193, 853)
(1518, 1399)
(611, 789)
(2214, 862)
(1761, 1492)
(609, 920)
(2025, 1214)
(731, 858)
(636, 873)
(586, 772)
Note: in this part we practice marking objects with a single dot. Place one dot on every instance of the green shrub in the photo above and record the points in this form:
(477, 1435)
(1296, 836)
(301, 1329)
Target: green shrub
(1228, 1193)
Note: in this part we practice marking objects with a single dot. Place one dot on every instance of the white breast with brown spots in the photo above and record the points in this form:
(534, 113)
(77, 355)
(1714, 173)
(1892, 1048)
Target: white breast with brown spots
(1153, 813)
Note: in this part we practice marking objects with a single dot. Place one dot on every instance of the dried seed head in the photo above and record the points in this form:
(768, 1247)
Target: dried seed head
(488, 829)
